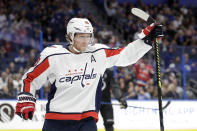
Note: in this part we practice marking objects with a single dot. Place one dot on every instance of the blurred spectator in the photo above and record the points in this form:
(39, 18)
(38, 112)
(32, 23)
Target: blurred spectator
(31, 58)
(150, 87)
(171, 77)
(115, 42)
(187, 63)
(131, 91)
(184, 10)
(122, 85)
(21, 58)
(49, 36)
(161, 17)
(3, 18)
(3, 53)
(194, 67)
(165, 84)
(179, 89)
(114, 3)
(17, 82)
(7, 70)
(189, 93)
(124, 78)
(111, 11)
(172, 94)
(193, 55)
(12, 68)
(3, 80)
(8, 46)
(105, 35)
(177, 22)
(143, 73)
(180, 37)
(21, 70)
(142, 94)
(12, 91)
(5, 94)
(175, 65)
(169, 56)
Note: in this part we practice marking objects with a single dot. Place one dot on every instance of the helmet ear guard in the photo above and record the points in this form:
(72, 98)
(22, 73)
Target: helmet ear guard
(68, 38)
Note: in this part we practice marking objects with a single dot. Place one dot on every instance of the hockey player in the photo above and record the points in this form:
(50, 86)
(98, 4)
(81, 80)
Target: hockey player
(110, 84)
(75, 72)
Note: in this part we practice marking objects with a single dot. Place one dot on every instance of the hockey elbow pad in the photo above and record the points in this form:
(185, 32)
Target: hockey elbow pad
(25, 106)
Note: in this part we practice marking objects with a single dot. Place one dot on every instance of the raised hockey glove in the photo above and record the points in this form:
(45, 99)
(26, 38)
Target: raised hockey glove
(123, 103)
(151, 32)
(25, 106)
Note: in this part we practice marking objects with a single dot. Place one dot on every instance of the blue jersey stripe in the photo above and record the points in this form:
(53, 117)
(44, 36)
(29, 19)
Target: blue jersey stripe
(98, 95)
(51, 96)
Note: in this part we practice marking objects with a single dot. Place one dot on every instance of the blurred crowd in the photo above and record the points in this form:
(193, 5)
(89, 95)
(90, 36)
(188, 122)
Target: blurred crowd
(180, 21)
(179, 41)
(22, 20)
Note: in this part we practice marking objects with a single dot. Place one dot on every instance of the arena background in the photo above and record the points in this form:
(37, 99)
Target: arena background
(28, 26)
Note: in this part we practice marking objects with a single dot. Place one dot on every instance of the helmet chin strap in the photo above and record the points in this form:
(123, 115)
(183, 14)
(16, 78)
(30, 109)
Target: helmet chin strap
(75, 49)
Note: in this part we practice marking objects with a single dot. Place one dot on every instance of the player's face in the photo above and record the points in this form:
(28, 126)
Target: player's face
(81, 41)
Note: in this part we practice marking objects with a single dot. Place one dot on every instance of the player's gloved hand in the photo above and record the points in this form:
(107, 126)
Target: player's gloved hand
(25, 106)
(123, 103)
(151, 32)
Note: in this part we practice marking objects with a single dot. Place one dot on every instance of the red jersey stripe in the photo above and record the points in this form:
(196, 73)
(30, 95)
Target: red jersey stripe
(58, 116)
(35, 73)
(112, 52)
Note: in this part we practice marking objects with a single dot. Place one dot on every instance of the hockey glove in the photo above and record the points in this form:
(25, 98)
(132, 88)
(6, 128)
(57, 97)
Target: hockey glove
(151, 32)
(123, 103)
(25, 106)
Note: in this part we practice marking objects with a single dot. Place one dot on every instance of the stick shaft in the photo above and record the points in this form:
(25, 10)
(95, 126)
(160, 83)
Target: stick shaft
(139, 107)
(159, 84)
(145, 16)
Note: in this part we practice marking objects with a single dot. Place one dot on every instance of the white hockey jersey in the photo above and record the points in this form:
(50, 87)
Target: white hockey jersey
(76, 78)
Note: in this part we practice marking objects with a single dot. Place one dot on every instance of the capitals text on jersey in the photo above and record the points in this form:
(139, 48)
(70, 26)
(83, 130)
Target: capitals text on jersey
(71, 79)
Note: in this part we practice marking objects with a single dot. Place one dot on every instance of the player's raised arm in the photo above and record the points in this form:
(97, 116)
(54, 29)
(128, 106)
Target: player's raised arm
(135, 50)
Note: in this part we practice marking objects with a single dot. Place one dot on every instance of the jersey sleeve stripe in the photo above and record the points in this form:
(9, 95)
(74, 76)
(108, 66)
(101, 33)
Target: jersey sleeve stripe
(112, 52)
(35, 73)
(61, 116)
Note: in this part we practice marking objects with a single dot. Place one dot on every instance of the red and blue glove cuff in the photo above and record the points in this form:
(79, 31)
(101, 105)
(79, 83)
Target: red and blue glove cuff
(25, 106)
(26, 97)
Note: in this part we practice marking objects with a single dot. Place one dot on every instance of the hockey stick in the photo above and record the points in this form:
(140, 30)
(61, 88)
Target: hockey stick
(159, 84)
(164, 107)
(145, 16)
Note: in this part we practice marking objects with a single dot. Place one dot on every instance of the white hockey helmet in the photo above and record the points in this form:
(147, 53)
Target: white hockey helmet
(79, 25)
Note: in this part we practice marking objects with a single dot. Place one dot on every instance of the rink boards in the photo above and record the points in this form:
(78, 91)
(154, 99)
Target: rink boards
(179, 116)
